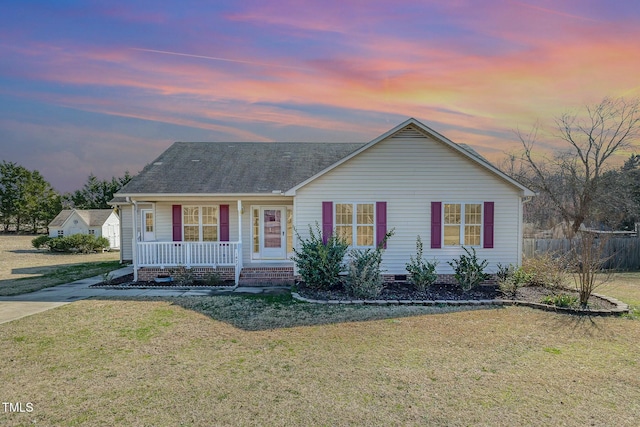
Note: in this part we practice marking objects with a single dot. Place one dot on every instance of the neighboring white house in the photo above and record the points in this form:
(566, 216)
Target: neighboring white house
(99, 222)
(233, 207)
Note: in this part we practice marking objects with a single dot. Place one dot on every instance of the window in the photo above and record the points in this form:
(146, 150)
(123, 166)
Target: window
(60, 233)
(148, 222)
(200, 223)
(462, 223)
(255, 222)
(289, 230)
(92, 232)
(355, 223)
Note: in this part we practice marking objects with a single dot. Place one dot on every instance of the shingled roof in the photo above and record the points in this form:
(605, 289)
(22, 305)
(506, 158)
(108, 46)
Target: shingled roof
(92, 217)
(235, 167)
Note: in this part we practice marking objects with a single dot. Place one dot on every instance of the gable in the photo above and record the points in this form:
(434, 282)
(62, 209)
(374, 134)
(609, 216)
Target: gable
(409, 164)
(89, 217)
(412, 130)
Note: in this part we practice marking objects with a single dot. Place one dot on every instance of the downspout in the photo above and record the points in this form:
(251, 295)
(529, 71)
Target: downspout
(523, 200)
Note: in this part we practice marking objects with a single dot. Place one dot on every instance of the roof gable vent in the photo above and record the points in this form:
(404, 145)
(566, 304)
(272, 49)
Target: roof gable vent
(409, 133)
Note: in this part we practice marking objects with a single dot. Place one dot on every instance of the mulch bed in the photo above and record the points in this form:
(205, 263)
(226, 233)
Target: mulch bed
(398, 291)
(127, 281)
(448, 292)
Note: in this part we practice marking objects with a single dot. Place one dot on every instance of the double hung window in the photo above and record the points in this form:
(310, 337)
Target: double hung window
(355, 223)
(462, 224)
(200, 223)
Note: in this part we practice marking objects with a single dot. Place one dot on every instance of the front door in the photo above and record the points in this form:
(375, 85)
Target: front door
(148, 225)
(273, 239)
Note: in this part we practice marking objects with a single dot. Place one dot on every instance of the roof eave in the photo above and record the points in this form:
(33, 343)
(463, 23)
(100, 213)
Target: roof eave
(139, 196)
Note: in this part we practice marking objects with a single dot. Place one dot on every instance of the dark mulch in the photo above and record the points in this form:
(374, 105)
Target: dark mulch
(127, 280)
(448, 292)
(405, 291)
(400, 291)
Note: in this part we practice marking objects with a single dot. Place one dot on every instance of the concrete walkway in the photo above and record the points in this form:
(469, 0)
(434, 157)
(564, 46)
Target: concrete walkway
(16, 307)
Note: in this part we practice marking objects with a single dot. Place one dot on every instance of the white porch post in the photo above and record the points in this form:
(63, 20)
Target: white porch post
(239, 263)
(134, 241)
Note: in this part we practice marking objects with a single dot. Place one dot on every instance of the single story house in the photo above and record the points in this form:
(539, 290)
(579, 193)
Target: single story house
(236, 207)
(99, 222)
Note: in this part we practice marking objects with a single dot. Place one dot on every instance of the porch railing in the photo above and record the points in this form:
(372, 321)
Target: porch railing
(189, 254)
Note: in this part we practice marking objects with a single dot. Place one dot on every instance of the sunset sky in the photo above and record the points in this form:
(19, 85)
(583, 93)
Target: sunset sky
(105, 86)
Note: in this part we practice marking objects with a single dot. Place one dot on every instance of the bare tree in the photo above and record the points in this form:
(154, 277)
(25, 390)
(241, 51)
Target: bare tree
(572, 175)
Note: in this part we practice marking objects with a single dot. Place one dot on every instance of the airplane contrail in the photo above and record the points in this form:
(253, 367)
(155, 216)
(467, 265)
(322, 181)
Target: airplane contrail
(216, 58)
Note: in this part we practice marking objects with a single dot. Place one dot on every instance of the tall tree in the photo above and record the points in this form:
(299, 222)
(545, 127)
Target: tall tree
(41, 202)
(25, 197)
(96, 194)
(572, 176)
(13, 179)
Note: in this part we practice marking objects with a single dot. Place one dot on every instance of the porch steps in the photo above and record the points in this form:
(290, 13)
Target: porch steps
(266, 276)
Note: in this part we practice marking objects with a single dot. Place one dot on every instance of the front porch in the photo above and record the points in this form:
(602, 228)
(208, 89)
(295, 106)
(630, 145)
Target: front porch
(203, 258)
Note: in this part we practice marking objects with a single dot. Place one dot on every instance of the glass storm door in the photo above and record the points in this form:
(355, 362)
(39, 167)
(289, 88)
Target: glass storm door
(273, 239)
(148, 225)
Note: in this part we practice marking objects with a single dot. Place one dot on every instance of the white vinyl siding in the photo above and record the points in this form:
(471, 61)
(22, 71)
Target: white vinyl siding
(409, 171)
(126, 248)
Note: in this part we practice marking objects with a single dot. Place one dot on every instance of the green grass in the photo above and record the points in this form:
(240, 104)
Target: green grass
(236, 360)
(154, 362)
(49, 276)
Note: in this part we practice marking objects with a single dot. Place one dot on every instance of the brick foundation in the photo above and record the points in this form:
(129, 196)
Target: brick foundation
(148, 274)
(265, 276)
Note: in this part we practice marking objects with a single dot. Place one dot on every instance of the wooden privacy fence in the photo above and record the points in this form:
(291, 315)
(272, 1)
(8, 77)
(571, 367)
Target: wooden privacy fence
(623, 253)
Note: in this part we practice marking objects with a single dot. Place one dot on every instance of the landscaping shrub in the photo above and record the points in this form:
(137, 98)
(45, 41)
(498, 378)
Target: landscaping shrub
(546, 269)
(511, 279)
(41, 242)
(561, 300)
(423, 273)
(319, 263)
(504, 271)
(182, 276)
(212, 279)
(85, 243)
(469, 272)
(364, 278)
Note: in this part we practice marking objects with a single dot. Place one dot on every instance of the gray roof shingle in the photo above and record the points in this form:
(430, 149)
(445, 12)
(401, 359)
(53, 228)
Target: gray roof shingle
(235, 167)
(93, 217)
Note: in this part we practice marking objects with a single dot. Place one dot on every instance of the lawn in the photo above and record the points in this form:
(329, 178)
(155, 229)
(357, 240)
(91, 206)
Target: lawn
(25, 269)
(231, 360)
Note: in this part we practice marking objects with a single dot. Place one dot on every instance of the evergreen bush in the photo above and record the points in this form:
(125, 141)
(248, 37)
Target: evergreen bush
(319, 263)
(423, 273)
(469, 272)
(364, 277)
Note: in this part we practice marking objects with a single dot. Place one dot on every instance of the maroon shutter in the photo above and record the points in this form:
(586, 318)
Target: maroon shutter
(488, 225)
(436, 225)
(327, 220)
(224, 223)
(381, 222)
(177, 222)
